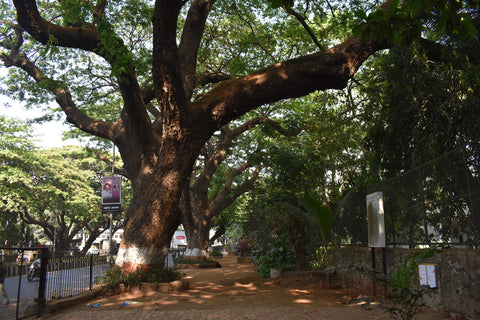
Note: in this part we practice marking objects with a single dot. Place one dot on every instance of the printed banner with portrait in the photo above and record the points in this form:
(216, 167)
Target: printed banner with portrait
(111, 190)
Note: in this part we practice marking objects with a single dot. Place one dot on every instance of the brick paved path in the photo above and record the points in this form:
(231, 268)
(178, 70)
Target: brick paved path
(233, 292)
(267, 313)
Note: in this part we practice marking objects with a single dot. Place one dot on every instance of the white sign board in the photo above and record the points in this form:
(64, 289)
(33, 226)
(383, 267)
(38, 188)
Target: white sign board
(427, 275)
(376, 220)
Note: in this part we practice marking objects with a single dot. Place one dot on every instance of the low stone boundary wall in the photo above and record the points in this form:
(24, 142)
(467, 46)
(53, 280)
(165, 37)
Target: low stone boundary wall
(457, 274)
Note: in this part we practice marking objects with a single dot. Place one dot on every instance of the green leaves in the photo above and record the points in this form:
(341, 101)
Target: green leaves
(409, 20)
(281, 3)
(15, 135)
(320, 215)
(55, 188)
(468, 24)
(404, 276)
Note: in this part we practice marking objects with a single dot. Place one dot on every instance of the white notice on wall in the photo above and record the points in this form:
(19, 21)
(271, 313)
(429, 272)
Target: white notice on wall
(427, 275)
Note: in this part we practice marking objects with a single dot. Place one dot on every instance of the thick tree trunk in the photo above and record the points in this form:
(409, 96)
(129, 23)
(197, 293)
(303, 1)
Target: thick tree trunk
(154, 213)
(299, 238)
(150, 222)
(197, 221)
(197, 238)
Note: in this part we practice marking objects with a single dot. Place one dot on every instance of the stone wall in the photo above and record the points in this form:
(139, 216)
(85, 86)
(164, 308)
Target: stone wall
(457, 274)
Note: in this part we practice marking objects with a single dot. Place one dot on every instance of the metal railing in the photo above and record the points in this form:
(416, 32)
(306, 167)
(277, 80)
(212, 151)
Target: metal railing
(57, 278)
(71, 276)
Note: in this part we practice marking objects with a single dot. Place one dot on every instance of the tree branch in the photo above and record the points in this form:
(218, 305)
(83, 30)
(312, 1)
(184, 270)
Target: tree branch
(212, 77)
(303, 22)
(29, 18)
(63, 97)
(225, 197)
(190, 42)
(328, 69)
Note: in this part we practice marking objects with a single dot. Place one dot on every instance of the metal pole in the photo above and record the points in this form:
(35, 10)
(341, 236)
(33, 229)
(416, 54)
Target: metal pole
(111, 214)
(374, 267)
(43, 281)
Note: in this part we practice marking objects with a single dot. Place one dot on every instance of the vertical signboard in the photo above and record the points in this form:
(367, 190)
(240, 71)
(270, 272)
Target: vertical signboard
(111, 194)
(376, 221)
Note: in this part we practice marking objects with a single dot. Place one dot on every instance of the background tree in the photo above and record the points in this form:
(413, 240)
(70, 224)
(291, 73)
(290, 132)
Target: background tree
(57, 190)
(321, 161)
(426, 110)
(160, 139)
(14, 135)
(213, 187)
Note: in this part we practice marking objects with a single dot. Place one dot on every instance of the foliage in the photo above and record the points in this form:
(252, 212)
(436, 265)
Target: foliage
(216, 254)
(57, 190)
(115, 276)
(321, 217)
(15, 135)
(126, 53)
(425, 111)
(320, 258)
(162, 275)
(279, 256)
(405, 20)
(405, 298)
(322, 159)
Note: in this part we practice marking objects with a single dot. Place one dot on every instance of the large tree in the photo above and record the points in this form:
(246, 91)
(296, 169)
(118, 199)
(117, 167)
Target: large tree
(161, 126)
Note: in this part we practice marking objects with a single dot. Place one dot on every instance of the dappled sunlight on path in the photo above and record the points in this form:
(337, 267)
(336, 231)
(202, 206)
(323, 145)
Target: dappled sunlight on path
(233, 291)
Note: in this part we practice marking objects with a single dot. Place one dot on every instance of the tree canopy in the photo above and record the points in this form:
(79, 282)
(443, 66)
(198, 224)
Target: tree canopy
(159, 79)
(54, 190)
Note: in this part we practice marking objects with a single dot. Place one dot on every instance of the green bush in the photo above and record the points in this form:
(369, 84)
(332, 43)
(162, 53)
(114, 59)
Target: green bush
(162, 275)
(115, 276)
(403, 297)
(216, 254)
(278, 258)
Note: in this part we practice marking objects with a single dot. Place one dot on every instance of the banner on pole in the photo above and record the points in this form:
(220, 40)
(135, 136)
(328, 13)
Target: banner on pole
(111, 194)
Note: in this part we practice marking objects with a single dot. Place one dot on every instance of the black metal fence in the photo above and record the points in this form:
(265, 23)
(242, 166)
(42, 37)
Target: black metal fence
(438, 202)
(55, 279)
(70, 276)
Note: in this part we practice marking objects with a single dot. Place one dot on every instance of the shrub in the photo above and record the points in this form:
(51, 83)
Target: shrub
(216, 254)
(406, 299)
(403, 297)
(115, 276)
(278, 258)
(162, 275)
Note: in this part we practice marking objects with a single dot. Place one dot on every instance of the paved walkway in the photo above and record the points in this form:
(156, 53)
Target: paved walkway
(266, 313)
(233, 292)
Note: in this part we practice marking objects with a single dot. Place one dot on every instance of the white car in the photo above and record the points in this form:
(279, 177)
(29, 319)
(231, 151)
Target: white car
(93, 251)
